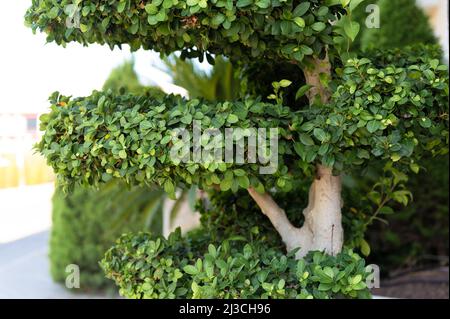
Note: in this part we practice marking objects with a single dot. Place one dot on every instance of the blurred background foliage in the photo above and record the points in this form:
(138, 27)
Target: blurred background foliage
(415, 236)
(222, 83)
(86, 223)
(402, 23)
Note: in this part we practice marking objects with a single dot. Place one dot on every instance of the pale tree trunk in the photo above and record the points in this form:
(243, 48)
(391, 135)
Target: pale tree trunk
(322, 229)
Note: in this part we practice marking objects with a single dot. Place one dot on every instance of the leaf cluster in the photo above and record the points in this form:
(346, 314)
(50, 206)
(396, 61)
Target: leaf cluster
(145, 266)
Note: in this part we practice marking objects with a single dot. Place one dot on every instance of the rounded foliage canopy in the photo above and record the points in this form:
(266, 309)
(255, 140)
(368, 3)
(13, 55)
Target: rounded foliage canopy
(242, 29)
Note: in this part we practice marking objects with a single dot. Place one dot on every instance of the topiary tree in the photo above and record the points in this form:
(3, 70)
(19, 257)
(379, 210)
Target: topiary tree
(402, 23)
(388, 107)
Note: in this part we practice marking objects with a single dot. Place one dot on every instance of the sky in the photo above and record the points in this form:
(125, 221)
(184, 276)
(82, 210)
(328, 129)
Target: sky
(30, 69)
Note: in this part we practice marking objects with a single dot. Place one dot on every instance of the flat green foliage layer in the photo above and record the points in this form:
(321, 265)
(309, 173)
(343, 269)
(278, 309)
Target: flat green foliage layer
(105, 135)
(239, 29)
(145, 266)
(379, 111)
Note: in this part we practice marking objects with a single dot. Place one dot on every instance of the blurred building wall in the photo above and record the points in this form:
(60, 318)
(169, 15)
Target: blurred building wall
(19, 165)
(437, 11)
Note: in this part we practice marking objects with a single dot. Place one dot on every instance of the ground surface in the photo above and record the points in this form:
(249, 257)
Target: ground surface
(24, 271)
(25, 220)
(25, 211)
(427, 284)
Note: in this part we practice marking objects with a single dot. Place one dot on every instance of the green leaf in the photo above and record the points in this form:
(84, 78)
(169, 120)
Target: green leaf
(151, 8)
(243, 3)
(329, 272)
(306, 139)
(301, 9)
(232, 118)
(351, 29)
(361, 153)
(320, 134)
(386, 210)
(53, 13)
(365, 247)
(84, 28)
(152, 20)
(299, 21)
(281, 284)
(221, 264)
(187, 119)
(167, 4)
(105, 22)
(354, 4)
(414, 167)
(324, 287)
(247, 251)
(218, 19)
(166, 139)
(263, 4)
(121, 6)
(285, 83)
(302, 91)
(355, 280)
(373, 126)
(307, 126)
(192, 3)
(191, 270)
(169, 188)
(212, 250)
(145, 125)
(243, 181)
(425, 122)
(226, 184)
(306, 50)
(318, 26)
(123, 154)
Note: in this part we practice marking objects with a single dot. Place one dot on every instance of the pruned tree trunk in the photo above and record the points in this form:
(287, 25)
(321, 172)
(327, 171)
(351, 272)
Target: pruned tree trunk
(322, 229)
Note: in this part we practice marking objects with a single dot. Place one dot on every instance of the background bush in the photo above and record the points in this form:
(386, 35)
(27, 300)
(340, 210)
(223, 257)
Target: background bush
(86, 223)
(402, 23)
(416, 235)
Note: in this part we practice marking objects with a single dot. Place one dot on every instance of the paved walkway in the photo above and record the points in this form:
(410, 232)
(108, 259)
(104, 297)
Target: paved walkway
(25, 211)
(24, 271)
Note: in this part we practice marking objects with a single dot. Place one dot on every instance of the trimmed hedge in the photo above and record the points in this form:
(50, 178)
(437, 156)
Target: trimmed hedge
(146, 266)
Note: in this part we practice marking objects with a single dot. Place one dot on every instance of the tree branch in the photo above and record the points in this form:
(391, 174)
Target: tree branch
(312, 75)
(276, 215)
